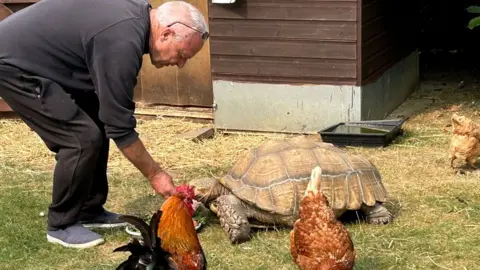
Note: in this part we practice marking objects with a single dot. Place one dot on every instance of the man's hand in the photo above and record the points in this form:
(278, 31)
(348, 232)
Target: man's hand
(162, 184)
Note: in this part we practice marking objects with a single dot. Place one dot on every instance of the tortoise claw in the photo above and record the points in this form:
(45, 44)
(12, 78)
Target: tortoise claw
(378, 215)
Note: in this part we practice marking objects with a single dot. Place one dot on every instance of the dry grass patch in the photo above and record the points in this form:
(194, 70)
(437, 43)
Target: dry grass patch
(437, 211)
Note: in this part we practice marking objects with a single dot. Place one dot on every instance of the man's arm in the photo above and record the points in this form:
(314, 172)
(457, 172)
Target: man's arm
(114, 58)
(139, 156)
(160, 181)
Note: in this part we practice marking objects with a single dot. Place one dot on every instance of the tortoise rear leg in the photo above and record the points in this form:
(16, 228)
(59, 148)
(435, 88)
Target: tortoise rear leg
(233, 218)
(377, 214)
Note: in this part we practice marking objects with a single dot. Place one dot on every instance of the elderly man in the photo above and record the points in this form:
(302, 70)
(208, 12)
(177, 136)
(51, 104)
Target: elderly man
(68, 68)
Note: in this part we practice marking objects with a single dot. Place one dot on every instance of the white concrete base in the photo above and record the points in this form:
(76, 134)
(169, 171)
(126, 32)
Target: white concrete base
(309, 108)
(388, 92)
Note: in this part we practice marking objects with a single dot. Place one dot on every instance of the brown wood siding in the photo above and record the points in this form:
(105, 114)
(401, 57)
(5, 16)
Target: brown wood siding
(284, 42)
(388, 34)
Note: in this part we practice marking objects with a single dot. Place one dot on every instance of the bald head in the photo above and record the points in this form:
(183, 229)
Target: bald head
(177, 33)
(182, 17)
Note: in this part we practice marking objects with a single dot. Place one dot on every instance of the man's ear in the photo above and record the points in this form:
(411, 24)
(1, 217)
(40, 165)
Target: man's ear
(166, 34)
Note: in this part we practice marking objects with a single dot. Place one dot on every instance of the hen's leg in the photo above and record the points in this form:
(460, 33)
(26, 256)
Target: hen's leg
(377, 214)
(233, 218)
(452, 159)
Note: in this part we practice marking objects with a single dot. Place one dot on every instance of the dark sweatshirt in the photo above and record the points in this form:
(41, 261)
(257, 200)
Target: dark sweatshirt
(84, 45)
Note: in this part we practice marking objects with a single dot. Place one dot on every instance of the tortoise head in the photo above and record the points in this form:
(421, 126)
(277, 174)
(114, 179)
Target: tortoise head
(206, 189)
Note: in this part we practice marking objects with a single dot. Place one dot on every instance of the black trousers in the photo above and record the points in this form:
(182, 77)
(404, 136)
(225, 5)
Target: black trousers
(70, 127)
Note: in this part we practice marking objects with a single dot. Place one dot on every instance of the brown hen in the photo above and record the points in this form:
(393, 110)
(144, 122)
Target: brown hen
(464, 141)
(462, 125)
(318, 240)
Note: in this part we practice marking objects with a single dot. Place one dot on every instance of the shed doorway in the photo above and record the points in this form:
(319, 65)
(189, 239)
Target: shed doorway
(449, 63)
(448, 49)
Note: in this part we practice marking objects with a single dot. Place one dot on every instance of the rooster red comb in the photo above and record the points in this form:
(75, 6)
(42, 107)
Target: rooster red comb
(187, 189)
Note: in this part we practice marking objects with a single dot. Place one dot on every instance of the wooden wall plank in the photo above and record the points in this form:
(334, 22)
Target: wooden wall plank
(372, 9)
(374, 27)
(285, 80)
(285, 30)
(376, 44)
(321, 50)
(292, 10)
(382, 61)
(282, 67)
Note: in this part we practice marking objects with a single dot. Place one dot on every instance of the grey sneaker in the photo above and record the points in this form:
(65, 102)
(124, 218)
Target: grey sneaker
(75, 236)
(105, 220)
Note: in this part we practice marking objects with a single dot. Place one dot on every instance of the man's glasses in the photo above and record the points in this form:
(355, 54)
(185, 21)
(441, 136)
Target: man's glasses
(205, 35)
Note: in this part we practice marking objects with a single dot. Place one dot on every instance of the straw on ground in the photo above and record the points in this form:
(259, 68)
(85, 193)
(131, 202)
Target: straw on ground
(436, 211)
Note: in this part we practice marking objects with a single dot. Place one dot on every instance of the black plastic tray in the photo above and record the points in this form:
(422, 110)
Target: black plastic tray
(369, 136)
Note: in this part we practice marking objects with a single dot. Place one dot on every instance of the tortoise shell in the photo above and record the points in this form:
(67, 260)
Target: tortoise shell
(274, 176)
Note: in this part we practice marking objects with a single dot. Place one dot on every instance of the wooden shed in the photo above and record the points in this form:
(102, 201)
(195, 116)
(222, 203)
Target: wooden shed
(299, 66)
(291, 66)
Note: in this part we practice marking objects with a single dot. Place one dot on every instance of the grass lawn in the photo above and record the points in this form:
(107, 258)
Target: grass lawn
(437, 224)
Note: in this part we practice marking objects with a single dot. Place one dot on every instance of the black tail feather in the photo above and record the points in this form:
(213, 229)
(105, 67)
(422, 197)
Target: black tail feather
(138, 253)
(123, 248)
(151, 249)
(154, 221)
(204, 260)
(141, 225)
(134, 247)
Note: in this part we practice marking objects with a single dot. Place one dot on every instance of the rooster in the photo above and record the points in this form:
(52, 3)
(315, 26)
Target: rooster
(170, 242)
(318, 240)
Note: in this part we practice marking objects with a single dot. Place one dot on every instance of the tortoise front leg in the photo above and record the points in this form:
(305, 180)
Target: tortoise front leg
(233, 218)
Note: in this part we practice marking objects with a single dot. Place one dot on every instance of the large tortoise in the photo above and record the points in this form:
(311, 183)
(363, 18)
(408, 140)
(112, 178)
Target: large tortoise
(265, 186)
